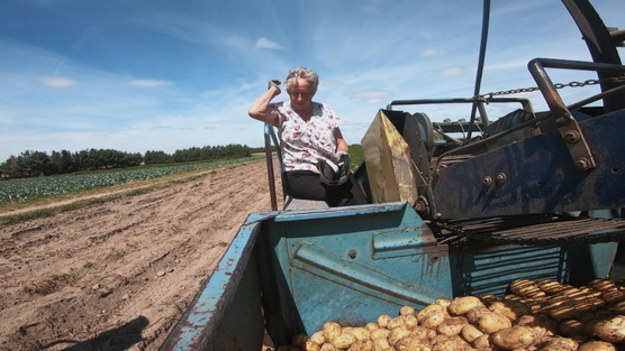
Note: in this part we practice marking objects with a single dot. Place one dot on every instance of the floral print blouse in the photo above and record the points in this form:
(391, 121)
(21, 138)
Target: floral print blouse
(303, 143)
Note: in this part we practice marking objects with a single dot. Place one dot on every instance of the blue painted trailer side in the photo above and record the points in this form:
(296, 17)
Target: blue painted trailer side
(226, 314)
(352, 264)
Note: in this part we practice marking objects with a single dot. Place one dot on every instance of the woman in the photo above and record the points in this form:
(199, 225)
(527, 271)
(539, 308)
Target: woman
(310, 140)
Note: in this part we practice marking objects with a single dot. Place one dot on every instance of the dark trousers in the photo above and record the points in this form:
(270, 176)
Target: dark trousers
(307, 185)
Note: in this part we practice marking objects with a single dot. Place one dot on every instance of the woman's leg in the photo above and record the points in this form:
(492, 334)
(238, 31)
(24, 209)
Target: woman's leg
(305, 185)
(346, 194)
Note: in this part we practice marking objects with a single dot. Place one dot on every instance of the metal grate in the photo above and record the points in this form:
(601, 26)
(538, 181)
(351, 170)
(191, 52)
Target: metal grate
(541, 230)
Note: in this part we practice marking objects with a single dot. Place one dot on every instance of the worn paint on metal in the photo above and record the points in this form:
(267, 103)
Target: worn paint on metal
(352, 265)
(369, 259)
(540, 176)
(389, 165)
(206, 323)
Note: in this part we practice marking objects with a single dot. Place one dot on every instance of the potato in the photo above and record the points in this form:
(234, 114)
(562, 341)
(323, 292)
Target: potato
(511, 323)
(452, 325)
(555, 300)
(423, 333)
(331, 330)
(397, 334)
(487, 299)
(412, 343)
(343, 340)
(514, 338)
(570, 291)
(381, 345)
(407, 311)
(311, 346)
(433, 320)
(424, 313)
(443, 303)
(360, 333)
(542, 325)
(452, 345)
(567, 310)
(511, 309)
(462, 305)
(596, 346)
(571, 327)
(383, 320)
(395, 322)
(442, 337)
(602, 284)
(476, 313)
(518, 284)
(470, 332)
(559, 344)
(589, 304)
(550, 286)
(410, 321)
(482, 342)
(619, 307)
(492, 322)
(613, 296)
(372, 326)
(381, 333)
(361, 345)
(524, 287)
(610, 329)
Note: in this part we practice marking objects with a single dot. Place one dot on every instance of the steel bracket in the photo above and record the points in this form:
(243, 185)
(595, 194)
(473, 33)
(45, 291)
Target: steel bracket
(569, 130)
(575, 142)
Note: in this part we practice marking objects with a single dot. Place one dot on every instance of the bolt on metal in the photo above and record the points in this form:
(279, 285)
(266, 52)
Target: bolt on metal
(582, 164)
(487, 180)
(501, 178)
(572, 136)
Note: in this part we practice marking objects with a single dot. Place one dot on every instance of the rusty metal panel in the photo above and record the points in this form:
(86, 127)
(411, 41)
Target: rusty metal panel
(389, 164)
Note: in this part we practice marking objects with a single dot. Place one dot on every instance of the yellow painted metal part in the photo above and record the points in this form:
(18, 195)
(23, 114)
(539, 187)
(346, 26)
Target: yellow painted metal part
(389, 165)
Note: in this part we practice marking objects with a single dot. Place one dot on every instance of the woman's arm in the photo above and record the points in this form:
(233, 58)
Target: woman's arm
(341, 144)
(261, 110)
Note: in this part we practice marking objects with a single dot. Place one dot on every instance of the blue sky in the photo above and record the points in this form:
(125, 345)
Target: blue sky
(164, 75)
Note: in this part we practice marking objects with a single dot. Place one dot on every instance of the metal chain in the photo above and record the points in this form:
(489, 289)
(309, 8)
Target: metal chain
(573, 84)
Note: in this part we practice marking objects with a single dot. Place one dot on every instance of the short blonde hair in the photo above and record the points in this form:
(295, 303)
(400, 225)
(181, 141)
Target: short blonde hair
(302, 73)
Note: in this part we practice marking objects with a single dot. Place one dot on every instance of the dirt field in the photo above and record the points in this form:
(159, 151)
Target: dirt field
(116, 276)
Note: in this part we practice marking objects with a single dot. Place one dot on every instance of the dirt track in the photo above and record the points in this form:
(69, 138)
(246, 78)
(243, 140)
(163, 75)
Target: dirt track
(116, 276)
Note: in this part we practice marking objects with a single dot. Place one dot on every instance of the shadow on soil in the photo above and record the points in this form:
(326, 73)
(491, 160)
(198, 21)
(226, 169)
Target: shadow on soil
(117, 339)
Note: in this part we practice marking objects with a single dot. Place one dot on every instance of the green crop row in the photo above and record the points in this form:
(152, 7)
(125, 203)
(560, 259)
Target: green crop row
(32, 188)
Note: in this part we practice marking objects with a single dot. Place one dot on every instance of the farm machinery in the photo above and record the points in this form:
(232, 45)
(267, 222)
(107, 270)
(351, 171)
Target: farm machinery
(530, 195)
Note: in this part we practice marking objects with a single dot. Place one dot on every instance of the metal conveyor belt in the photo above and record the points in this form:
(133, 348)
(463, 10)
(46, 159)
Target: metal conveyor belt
(541, 231)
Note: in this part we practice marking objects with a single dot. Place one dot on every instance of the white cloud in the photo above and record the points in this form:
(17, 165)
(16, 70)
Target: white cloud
(213, 92)
(264, 43)
(235, 42)
(428, 52)
(372, 96)
(453, 71)
(149, 83)
(56, 82)
(429, 35)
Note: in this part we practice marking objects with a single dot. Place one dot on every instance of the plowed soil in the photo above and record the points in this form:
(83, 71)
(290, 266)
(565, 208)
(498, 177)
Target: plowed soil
(118, 275)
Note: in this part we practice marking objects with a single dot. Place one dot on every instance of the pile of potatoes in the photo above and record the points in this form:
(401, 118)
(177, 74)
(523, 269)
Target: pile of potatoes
(540, 316)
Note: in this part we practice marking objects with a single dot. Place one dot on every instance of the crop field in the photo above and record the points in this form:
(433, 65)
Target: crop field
(22, 189)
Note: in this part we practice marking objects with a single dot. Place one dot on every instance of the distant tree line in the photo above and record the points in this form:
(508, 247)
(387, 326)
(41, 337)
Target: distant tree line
(39, 163)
